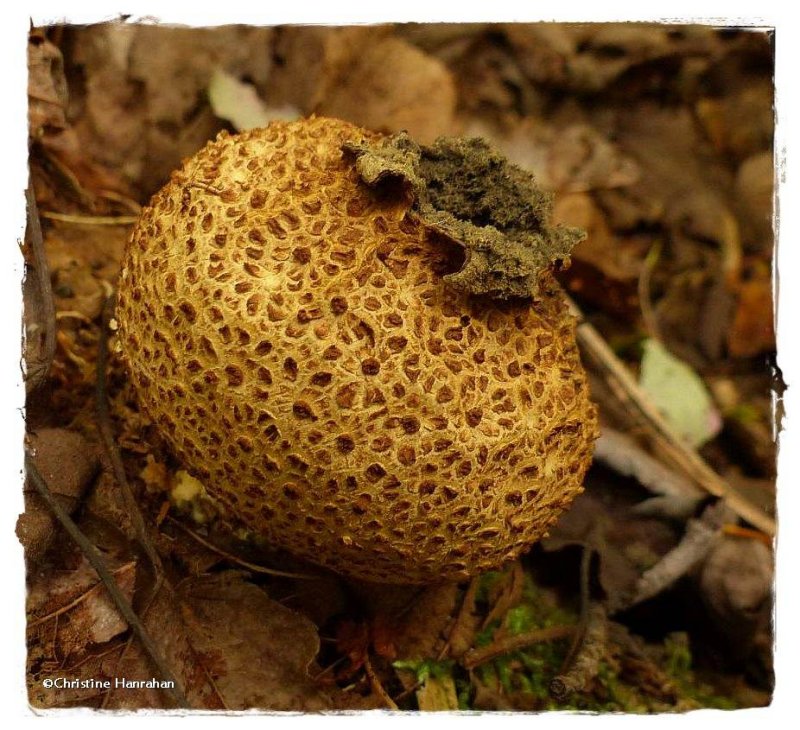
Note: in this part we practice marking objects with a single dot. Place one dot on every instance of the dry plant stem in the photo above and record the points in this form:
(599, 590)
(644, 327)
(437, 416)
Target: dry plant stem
(104, 426)
(467, 606)
(504, 602)
(585, 574)
(52, 161)
(476, 657)
(377, 687)
(36, 242)
(329, 668)
(746, 534)
(587, 660)
(407, 692)
(683, 458)
(99, 564)
(648, 314)
(232, 558)
(91, 220)
(115, 197)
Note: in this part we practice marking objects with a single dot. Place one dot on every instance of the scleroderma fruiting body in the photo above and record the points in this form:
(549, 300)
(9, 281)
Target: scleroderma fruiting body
(290, 330)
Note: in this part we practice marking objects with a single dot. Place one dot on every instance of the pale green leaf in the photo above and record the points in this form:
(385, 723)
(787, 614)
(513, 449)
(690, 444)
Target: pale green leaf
(679, 393)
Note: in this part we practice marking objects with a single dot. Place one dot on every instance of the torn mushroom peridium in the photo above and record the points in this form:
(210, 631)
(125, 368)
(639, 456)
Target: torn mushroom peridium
(467, 192)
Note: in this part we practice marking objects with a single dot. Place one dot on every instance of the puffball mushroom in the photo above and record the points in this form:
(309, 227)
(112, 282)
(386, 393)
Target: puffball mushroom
(357, 345)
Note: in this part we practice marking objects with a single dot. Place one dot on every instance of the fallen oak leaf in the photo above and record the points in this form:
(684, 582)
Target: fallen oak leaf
(231, 646)
(256, 651)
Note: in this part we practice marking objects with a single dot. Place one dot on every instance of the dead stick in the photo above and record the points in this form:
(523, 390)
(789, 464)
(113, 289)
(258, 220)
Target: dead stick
(587, 660)
(585, 597)
(684, 458)
(376, 685)
(476, 657)
(244, 563)
(697, 542)
(99, 564)
(104, 426)
(33, 236)
(464, 613)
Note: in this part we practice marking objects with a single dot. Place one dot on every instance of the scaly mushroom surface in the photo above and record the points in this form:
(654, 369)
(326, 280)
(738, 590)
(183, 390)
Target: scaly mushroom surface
(300, 336)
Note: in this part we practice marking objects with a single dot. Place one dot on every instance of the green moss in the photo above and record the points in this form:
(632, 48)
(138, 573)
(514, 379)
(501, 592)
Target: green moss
(425, 668)
(520, 619)
(678, 662)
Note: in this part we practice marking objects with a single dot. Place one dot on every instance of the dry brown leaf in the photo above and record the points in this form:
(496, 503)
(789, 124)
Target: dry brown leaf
(256, 651)
(505, 593)
(600, 57)
(605, 268)
(421, 635)
(144, 107)
(72, 611)
(467, 622)
(310, 61)
(164, 622)
(741, 123)
(581, 159)
(47, 87)
(752, 331)
(68, 463)
(231, 647)
(755, 187)
(393, 87)
(590, 524)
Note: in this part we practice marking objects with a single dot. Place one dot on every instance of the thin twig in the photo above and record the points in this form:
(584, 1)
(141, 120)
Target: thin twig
(116, 197)
(99, 564)
(376, 685)
(91, 220)
(747, 534)
(476, 657)
(245, 564)
(648, 314)
(698, 540)
(76, 602)
(104, 426)
(35, 240)
(682, 457)
(465, 614)
(585, 597)
(587, 660)
(408, 691)
(329, 668)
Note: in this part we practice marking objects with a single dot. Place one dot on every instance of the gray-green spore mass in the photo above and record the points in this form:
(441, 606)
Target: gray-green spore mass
(467, 192)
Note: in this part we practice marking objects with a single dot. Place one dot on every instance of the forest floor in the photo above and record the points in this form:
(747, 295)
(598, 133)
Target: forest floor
(653, 593)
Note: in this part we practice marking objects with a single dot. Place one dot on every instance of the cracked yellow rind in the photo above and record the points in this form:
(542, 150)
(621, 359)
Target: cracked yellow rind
(290, 332)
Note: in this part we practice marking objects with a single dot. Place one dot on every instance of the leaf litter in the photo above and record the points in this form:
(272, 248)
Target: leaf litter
(651, 137)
